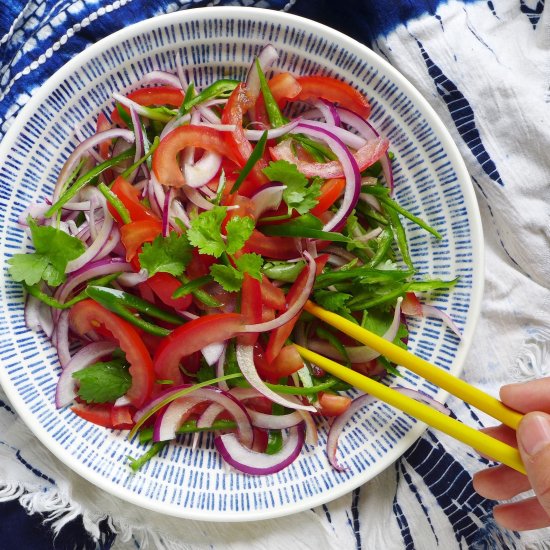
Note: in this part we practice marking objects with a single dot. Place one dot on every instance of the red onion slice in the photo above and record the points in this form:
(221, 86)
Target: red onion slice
(66, 388)
(60, 338)
(413, 306)
(272, 133)
(368, 131)
(160, 77)
(295, 308)
(253, 463)
(167, 424)
(274, 421)
(266, 58)
(173, 416)
(37, 317)
(199, 174)
(268, 197)
(338, 425)
(81, 150)
(213, 352)
(423, 398)
(359, 354)
(245, 359)
(328, 110)
(350, 170)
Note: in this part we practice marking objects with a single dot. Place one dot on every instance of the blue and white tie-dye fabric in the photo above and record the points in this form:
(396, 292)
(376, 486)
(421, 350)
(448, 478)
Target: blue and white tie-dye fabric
(485, 68)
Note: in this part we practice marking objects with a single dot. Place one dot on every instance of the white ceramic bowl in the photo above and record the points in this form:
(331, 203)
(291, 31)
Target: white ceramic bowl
(431, 181)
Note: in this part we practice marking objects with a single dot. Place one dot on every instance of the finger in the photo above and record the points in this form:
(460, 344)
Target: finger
(534, 445)
(503, 433)
(522, 516)
(527, 396)
(500, 483)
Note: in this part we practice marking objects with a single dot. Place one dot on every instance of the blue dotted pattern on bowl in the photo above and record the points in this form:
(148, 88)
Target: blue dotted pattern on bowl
(430, 182)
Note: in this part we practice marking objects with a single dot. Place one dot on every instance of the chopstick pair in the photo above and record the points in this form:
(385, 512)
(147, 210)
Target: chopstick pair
(489, 446)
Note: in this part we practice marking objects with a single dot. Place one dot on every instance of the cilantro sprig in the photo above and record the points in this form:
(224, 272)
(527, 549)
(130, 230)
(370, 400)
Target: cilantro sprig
(54, 249)
(169, 254)
(206, 234)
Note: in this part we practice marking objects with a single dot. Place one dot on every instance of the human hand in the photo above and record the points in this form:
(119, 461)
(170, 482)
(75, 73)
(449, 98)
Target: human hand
(533, 440)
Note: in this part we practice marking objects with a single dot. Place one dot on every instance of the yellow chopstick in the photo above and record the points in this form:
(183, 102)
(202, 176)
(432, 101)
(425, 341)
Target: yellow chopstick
(484, 443)
(441, 378)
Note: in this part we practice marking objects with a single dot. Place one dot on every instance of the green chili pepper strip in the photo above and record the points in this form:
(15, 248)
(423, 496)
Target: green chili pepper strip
(254, 157)
(400, 236)
(365, 274)
(366, 300)
(190, 426)
(220, 88)
(150, 151)
(126, 118)
(191, 286)
(86, 178)
(115, 202)
(292, 390)
(283, 271)
(299, 230)
(274, 114)
(137, 463)
(111, 297)
(384, 243)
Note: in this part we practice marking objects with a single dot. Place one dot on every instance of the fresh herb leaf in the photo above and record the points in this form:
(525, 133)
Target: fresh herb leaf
(227, 276)
(333, 301)
(205, 231)
(169, 254)
(251, 264)
(238, 230)
(54, 249)
(298, 195)
(103, 382)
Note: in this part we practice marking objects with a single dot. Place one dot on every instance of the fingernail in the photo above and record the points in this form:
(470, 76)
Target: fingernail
(535, 432)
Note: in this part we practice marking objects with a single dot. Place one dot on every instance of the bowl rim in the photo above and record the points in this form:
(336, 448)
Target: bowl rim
(475, 226)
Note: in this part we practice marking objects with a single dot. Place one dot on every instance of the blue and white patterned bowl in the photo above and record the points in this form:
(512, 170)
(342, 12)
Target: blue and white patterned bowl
(431, 181)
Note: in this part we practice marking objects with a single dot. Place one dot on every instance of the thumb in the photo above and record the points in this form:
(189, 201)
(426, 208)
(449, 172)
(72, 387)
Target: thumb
(534, 445)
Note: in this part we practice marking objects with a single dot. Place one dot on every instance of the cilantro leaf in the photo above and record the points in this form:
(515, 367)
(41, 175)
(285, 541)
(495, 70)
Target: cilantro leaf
(251, 264)
(205, 231)
(227, 276)
(103, 382)
(333, 301)
(238, 232)
(298, 195)
(169, 254)
(53, 250)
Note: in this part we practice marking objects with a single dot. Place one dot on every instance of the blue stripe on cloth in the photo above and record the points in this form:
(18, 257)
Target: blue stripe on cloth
(532, 13)
(469, 514)
(462, 114)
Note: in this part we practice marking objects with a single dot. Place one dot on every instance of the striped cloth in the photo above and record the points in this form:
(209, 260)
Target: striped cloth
(485, 68)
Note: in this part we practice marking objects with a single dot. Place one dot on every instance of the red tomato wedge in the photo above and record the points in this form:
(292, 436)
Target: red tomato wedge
(333, 405)
(237, 106)
(130, 198)
(278, 337)
(330, 191)
(272, 296)
(164, 285)
(159, 95)
(122, 417)
(192, 337)
(134, 234)
(88, 315)
(334, 90)
(277, 248)
(284, 87)
(251, 308)
(287, 362)
(165, 158)
(96, 413)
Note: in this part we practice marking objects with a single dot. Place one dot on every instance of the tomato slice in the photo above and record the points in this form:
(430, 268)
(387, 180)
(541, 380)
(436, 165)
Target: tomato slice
(122, 417)
(134, 234)
(272, 296)
(278, 337)
(287, 362)
(165, 162)
(129, 196)
(334, 90)
(284, 87)
(333, 405)
(237, 105)
(159, 95)
(330, 191)
(192, 337)
(251, 308)
(277, 248)
(164, 285)
(88, 315)
(96, 413)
